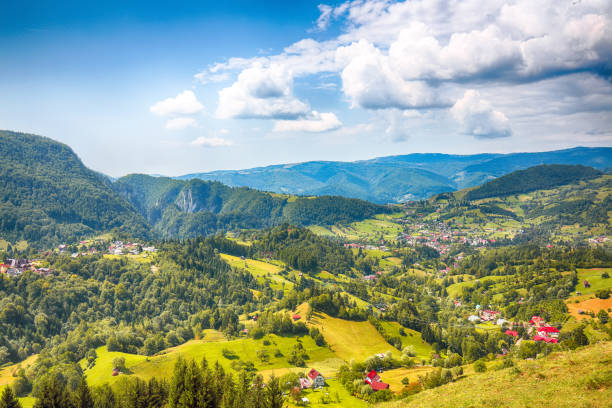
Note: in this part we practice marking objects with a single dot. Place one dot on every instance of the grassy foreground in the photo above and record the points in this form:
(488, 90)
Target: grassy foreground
(579, 378)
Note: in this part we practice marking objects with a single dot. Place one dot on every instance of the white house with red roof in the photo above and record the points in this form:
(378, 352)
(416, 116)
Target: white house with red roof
(316, 378)
(548, 331)
(375, 382)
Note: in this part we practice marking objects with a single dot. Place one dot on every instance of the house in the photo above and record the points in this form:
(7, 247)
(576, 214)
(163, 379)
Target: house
(296, 317)
(488, 315)
(474, 318)
(372, 377)
(316, 378)
(501, 322)
(305, 400)
(511, 333)
(548, 331)
(305, 383)
(379, 385)
(376, 384)
(536, 321)
(115, 372)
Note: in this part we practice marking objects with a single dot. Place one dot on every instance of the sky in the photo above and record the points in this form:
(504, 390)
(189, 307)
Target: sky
(188, 86)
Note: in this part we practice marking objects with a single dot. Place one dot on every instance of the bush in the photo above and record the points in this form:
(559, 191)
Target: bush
(603, 293)
(119, 363)
(480, 366)
(605, 275)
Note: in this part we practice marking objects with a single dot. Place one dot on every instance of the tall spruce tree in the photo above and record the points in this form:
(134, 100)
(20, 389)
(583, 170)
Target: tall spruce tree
(229, 392)
(257, 396)
(8, 399)
(157, 393)
(83, 398)
(177, 385)
(53, 394)
(192, 394)
(274, 394)
(104, 397)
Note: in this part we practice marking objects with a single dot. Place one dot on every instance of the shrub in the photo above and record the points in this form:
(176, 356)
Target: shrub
(480, 366)
(603, 293)
(605, 275)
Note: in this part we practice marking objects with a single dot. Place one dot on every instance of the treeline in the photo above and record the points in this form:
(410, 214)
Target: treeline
(192, 385)
(534, 178)
(303, 250)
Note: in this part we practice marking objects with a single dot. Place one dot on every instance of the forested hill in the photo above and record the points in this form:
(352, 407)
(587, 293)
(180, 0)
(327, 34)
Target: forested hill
(48, 196)
(534, 178)
(178, 208)
(396, 179)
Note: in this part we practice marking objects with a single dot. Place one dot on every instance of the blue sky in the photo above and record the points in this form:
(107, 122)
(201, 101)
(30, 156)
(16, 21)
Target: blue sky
(158, 87)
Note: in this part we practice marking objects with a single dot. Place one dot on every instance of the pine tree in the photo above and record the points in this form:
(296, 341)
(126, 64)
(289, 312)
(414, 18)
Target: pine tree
(257, 397)
(219, 382)
(177, 386)
(104, 397)
(157, 393)
(229, 392)
(192, 394)
(274, 394)
(242, 390)
(83, 396)
(53, 394)
(8, 399)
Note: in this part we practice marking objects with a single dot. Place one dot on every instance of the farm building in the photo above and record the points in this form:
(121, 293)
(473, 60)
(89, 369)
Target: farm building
(305, 383)
(548, 331)
(375, 382)
(316, 378)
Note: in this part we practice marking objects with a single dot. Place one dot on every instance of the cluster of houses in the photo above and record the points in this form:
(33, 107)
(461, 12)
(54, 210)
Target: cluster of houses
(313, 379)
(115, 248)
(16, 267)
(598, 240)
(367, 247)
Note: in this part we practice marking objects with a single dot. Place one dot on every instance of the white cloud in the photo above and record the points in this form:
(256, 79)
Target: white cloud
(325, 18)
(316, 122)
(184, 103)
(180, 123)
(261, 92)
(211, 142)
(478, 118)
(370, 82)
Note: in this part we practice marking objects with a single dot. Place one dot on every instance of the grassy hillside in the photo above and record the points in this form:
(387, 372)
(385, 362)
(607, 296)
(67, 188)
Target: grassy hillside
(579, 378)
(48, 196)
(179, 208)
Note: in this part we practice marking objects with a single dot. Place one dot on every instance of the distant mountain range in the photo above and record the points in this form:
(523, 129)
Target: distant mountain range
(396, 179)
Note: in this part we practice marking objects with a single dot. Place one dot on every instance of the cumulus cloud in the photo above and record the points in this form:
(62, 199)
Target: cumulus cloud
(478, 118)
(416, 55)
(180, 123)
(184, 103)
(261, 92)
(211, 142)
(316, 122)
(370, 81)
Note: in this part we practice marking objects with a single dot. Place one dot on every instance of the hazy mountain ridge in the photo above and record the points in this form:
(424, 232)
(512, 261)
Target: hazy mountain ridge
(402, 178)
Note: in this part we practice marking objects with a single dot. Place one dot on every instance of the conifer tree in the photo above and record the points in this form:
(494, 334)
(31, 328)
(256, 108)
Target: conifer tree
(104, 397)
(53, 394)
(219, 382)
(229, 392)
(157, 393)
(177, 386)
(242, 390)
(274, 394)
(192, 394)
(8, 399)
(83, 397)
(257, 394)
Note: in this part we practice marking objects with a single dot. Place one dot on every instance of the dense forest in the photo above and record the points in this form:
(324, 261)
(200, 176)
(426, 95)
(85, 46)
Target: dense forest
(191, 208)
(48, 196)
(534, 178)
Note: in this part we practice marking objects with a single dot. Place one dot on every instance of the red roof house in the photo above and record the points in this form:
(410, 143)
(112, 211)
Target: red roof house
(512, 333)
(378, 385)
(539, 338)
(548, 331)
(316, 378)
(372, 377)
(296, 317)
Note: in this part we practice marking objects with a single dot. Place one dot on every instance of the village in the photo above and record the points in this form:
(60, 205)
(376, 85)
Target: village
(16, 267)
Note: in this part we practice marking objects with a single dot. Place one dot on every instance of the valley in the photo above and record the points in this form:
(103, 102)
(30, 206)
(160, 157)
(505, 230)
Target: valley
(498, 282)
